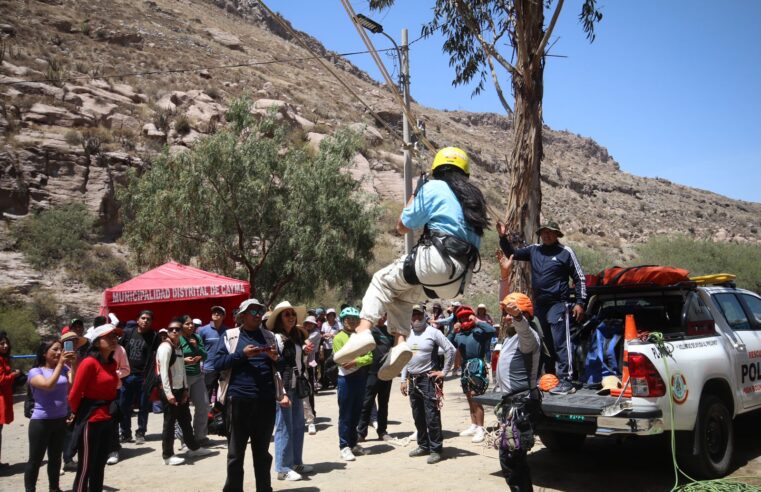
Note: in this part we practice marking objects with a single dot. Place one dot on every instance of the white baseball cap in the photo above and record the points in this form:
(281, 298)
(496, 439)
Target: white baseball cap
(310, 319)
(330, 311)
(197, 322)
(102, 331)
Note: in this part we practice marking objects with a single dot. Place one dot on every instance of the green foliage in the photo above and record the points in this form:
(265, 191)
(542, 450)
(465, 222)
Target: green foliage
(592, 260)
(703, 257)
(52, 236)
(99, 268)
(244, 197)
(18, 320)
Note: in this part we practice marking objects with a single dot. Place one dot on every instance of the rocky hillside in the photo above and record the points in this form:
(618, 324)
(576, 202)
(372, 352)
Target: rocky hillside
(69, 131)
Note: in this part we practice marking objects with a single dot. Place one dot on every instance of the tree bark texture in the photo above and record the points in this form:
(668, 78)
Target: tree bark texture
(524, 202)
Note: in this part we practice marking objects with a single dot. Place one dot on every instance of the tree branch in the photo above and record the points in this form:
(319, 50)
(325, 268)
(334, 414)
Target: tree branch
(498, 88)
(548, 33)
(488, 49)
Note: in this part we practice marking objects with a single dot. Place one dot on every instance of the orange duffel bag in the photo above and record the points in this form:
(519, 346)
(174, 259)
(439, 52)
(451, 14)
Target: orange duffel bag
(637, 275)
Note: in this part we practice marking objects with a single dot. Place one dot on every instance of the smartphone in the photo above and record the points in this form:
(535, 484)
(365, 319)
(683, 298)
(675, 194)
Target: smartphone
(68, 346)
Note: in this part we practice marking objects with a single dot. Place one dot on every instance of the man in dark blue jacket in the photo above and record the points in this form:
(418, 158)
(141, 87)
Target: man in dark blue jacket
(552, 263)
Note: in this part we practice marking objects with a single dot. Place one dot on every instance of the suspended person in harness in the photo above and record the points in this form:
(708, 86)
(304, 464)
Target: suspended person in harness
(452, 213)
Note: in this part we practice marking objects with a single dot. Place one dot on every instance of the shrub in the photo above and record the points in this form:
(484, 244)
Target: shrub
(99, 268)
(182, 125)
(51, 236)
(56, 71)
(161, 119)
(703, 257)
(73, 137)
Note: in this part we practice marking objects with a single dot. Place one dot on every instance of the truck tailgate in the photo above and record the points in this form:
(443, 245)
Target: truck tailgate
(583, 402)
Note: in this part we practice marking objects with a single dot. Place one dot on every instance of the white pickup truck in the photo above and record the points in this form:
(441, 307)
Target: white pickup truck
(714, 370)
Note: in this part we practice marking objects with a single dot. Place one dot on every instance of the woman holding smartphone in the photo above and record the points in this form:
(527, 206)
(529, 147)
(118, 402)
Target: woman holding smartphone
(193, 353)
(49, 383)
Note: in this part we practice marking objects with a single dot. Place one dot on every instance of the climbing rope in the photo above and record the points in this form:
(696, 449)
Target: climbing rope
(719, 485)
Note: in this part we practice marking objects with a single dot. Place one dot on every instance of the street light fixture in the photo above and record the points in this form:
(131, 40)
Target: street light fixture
(404, 82)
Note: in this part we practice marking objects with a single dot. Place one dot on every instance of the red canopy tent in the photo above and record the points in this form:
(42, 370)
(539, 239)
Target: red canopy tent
(172, 290)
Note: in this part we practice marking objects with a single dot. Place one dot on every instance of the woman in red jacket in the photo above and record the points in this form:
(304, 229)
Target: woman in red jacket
(93, 402)
(6, 386)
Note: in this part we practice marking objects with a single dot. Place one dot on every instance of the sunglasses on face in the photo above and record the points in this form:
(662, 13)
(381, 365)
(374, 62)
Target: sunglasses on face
(255, 311)
(174, 329)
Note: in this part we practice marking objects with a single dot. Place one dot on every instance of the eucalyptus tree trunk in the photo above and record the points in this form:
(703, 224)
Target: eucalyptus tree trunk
(524, 201)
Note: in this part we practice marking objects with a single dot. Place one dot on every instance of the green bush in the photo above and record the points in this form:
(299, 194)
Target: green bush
(52, 236)
(592, 260)
(99, 268)
(19, 321)
(702, 257)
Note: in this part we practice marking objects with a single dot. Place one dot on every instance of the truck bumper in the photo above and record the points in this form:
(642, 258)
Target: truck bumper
(645, 426)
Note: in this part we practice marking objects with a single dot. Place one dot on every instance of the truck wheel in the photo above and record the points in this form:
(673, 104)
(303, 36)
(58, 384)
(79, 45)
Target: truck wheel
(714, 440)
(562, 442)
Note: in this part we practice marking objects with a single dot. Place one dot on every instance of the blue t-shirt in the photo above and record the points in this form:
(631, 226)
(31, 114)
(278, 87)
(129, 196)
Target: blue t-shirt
(437, 206)
(52, 403)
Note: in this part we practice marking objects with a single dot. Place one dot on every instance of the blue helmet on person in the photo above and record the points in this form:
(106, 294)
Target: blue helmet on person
(348, 311)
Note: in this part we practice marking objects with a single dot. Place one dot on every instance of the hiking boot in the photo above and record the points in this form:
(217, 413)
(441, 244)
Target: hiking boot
(139, 438)
(479, 435)
(312, 429)
(302, 469)
(418, 451)
(290, 475)
(113, 458)
(433, 458)
(396, 359)
(347, 455)
(469, 431)
(358, 344)
(174, 461)
(565, 387)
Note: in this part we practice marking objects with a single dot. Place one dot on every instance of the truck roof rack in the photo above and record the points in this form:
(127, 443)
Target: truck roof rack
(647, 287)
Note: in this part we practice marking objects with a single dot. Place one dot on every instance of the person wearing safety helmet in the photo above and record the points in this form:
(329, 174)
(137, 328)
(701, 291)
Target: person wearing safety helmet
(517, 374)
(352, 379)
(451, 211)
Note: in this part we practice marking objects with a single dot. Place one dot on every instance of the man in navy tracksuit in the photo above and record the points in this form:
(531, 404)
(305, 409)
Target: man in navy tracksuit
(552, 263)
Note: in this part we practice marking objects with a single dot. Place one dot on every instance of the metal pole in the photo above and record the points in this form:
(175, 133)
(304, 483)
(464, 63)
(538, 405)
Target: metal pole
(405, 75)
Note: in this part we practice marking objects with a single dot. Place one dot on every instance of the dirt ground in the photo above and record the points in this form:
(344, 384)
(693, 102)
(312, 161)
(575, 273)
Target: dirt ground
(602, 465)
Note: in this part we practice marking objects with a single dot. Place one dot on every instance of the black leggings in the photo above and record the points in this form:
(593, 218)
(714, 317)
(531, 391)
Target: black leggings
(44, 435)
(95, 444)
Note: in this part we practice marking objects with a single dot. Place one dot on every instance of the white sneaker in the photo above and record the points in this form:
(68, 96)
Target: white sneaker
(375, 424)
(358, 344)
(303, 469)
(469, 431)
(312, 430)
(290, 475)
(113, 458)
(347, 455)
(174, 461)
(195, 453)
(184, 449)
(479, 435)
(397, 358)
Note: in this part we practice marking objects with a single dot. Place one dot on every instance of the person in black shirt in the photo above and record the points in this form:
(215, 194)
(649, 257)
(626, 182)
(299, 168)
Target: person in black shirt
(377, 387)
(140, 342)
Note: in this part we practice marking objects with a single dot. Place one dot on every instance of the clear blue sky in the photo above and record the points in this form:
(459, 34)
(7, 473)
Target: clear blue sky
(671, 88)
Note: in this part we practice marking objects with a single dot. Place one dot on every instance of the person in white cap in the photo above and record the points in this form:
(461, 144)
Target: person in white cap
(92, 394)
(245, 357)
(451, 211)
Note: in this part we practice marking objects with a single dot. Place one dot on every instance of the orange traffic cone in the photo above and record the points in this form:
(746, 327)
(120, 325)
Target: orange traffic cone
(630, 333)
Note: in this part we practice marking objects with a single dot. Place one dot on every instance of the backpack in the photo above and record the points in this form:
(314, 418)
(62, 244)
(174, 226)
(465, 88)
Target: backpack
(28, 402)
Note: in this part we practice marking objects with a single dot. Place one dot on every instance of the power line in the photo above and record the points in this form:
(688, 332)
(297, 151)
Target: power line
(193, 69)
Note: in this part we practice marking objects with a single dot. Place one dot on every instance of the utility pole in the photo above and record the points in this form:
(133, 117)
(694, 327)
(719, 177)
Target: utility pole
(405, 80)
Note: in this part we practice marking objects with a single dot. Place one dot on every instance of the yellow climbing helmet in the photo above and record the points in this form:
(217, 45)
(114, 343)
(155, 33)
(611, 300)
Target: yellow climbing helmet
(452, 156)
